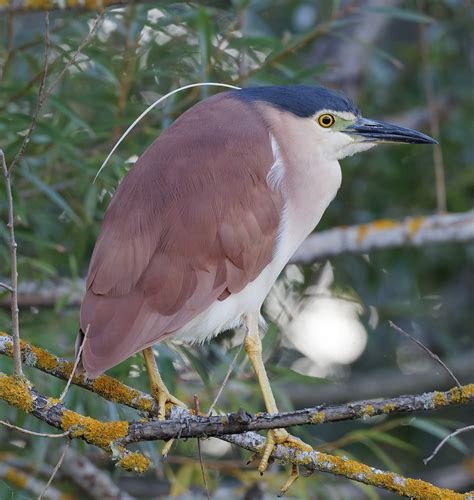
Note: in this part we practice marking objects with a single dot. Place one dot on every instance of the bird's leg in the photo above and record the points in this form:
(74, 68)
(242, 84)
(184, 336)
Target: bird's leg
(159, 392)
(253, 347)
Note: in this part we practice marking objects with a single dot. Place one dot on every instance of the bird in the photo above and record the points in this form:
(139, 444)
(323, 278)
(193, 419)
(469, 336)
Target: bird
(201, 226)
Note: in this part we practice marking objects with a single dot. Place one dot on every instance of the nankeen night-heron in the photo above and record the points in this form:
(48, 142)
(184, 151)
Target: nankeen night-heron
(201, 226)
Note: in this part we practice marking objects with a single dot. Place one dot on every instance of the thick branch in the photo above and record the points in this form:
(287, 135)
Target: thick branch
(20, 394)
(385, 234)
(110, 437)
(342, 466)
(182, 424)
(113, 390)
(104, 386)
(113, 436)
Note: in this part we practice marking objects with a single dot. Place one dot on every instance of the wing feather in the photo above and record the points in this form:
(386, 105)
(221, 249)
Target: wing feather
(192, 222)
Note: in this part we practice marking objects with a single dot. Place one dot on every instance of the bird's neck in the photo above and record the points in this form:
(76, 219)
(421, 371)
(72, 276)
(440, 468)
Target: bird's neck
(309, 181)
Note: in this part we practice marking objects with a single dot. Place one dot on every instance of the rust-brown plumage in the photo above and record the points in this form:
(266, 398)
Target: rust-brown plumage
(191, 223)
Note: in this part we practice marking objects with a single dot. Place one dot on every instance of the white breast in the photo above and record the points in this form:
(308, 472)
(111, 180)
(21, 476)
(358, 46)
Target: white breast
(314, 184)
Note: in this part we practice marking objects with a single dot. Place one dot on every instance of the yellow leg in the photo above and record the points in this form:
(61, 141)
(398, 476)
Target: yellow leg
(253, 348)
(159, 392)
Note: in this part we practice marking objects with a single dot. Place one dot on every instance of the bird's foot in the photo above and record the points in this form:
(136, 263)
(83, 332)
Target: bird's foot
(294, 474)
(280, 436)
(164, 400)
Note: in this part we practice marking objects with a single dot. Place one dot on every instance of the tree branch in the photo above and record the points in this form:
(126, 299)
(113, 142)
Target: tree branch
(386, 234)
(342, 466)
(28, 483)
(14, 269)
(113, 436)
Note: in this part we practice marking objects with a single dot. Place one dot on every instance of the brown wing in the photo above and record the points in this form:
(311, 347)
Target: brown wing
(193, 222)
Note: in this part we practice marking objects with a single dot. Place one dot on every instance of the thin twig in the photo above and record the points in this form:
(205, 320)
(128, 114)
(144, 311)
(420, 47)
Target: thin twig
(39, 102)
(33, 433)
(197, 409)
(431, 354)
(7, 287)
(440, 177)
(55, 470)
(14, 271)
(76, 54)
(76, 363)
(226, 379)
(468, 428)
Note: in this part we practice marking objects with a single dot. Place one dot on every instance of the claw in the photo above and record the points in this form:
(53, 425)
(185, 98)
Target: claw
(252, 459)
(279, 436)
(291, 479)
(164, 399)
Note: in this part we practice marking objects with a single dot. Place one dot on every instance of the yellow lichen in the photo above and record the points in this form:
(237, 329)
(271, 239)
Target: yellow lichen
(378, 225)
(16, 478)
(403, 486)
(39, 4)
(439, 399)
(389, 407)
(101, 434)
(134, 462)
(367, 411)
(462, 395)
(115, 391)
(318, 418)
(415, 224)
(44, 359)
(15, 392)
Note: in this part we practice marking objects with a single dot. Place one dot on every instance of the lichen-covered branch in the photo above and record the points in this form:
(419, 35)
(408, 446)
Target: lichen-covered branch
(20, 394)
(237, 428)
(104, 386)
(197, 426)
(110, 435)
(182, 424)
(342, 466)
(386, 234)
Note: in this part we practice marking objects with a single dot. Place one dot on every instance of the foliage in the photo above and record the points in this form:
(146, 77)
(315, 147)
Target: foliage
(140, 53)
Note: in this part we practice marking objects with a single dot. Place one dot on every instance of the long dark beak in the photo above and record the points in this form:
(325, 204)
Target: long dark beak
(374, 131)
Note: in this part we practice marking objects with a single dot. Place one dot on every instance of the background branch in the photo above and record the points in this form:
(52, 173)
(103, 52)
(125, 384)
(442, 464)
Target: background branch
(26, 482)
(378, 235)
(386, 234)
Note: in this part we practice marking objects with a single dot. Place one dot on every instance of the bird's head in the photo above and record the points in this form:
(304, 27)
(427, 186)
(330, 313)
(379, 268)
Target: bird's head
(333, 120)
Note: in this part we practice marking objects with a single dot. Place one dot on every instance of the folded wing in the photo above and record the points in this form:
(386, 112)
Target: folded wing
(193, 222)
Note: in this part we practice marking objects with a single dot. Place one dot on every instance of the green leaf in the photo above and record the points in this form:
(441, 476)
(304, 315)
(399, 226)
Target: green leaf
(440, 432)
(382, 455)
(54, 196)
(197, 364)
(406, 15)
(383, 437)
(284, 375)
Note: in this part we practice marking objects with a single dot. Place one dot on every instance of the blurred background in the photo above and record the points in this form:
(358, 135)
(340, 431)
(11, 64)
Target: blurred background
(328, 340)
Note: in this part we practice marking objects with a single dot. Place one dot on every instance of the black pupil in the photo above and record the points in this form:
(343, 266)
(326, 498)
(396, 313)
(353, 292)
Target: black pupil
(326, 120)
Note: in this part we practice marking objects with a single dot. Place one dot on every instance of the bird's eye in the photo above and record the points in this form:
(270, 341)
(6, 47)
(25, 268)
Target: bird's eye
(326, 120)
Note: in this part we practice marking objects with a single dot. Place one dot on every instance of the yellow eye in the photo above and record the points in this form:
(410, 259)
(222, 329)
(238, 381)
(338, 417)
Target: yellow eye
(326, 120)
